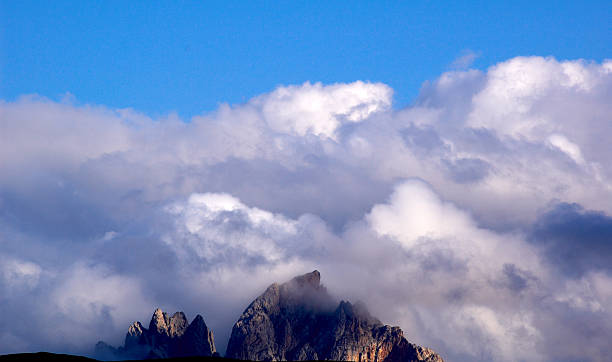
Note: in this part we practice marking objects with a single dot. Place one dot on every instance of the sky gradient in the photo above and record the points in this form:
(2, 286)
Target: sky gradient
(448, 165)
(189, 56)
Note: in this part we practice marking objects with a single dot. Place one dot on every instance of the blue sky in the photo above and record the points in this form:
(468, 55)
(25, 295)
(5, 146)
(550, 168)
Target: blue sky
(188, 56)
(474, 212)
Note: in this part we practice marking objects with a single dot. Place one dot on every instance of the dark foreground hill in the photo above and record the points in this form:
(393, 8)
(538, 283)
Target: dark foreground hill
(53, 357)
(43, 356)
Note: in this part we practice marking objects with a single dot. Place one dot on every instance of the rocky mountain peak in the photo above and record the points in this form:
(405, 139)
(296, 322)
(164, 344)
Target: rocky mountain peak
(135, 335)
(299, 320)
(312, 280)
(197, 340)
(166, 337)
(159, 322)
(357, 311)
(305, 291)
(177, 325)
(135, 329)
(198, 320)
(294, 321)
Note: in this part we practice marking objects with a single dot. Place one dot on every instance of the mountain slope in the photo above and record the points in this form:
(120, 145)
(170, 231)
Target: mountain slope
(299, 320)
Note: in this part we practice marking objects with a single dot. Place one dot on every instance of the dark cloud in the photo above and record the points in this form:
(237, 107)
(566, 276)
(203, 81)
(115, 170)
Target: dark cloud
(322, 186)
(516, 279)
(423, 140)
(466, 170)
(575, 240)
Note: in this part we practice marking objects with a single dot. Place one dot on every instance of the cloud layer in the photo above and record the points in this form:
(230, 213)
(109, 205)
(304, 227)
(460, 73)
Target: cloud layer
(477, 219)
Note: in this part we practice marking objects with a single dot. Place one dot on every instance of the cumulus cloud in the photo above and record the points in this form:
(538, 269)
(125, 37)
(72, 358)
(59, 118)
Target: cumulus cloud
(415, 211)
(319, 109)
(477, 219)
(219, 226)
(455, 276)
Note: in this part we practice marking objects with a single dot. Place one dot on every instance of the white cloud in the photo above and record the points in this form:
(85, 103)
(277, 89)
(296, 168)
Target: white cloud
(448, 253)
(566, 146)
(515, 89)
(414, 212)
(422, 212)
(470, 292)
(219, 225)
(19, 274)
(87, 292)
(36, 130)
(320, 110)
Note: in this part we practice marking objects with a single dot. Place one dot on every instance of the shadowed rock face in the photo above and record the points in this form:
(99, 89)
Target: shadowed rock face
(166, 337)
(299, 321)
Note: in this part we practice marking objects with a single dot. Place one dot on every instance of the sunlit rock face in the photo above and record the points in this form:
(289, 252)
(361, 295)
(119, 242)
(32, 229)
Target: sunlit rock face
(166, 337)
(299, 320)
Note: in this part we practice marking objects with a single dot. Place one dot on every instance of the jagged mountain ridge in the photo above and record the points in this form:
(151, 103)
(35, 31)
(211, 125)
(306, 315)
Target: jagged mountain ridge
(166, 337)
(294, 321)
(297, 321)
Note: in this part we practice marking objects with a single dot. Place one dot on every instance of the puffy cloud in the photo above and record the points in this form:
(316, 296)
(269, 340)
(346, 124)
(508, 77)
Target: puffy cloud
(456, 276)
(535, 127)
(414, 212)
(36, 132)
(319, 109)
(93, 301)
(476, 219)
(58, 309)
(19, 274)
(219, 226)
(515, 89)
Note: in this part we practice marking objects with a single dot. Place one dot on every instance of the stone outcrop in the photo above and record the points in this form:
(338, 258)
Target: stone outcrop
(299, 320)
(166, 337)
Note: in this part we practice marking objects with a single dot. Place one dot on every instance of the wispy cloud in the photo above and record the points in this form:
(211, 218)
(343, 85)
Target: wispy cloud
(465, 60)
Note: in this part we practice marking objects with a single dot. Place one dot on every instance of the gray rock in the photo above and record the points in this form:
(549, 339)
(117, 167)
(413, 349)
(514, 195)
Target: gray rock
(299, 320)
(166, 337)
(136, 336)
(177, 325)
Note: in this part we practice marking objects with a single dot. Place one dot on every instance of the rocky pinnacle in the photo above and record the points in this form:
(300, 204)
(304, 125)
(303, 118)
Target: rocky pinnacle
(299, 320)
(166, 337)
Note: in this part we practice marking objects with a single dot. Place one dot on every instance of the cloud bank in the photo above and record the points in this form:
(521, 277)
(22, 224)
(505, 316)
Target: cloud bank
(478, 219)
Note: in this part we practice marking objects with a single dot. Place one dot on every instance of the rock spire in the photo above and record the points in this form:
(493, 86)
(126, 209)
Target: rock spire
(166, 337)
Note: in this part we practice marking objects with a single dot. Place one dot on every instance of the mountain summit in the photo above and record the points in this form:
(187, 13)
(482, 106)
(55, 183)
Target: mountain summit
(299, 320)
(166, 337)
